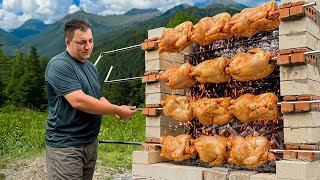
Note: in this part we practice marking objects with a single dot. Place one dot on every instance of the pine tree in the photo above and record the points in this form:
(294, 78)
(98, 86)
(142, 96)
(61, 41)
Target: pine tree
(181, 17)
(4, 74)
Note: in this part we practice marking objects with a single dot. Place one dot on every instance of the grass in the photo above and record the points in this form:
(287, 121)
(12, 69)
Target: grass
(22, 136)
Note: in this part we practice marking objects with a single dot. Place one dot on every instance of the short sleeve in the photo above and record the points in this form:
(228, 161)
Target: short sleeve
(62, 77)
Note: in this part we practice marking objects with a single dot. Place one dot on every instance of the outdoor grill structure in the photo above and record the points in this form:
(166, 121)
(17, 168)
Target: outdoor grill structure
(296, 82)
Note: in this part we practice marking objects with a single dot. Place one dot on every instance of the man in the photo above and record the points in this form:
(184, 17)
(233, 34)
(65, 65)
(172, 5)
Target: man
(75, 107)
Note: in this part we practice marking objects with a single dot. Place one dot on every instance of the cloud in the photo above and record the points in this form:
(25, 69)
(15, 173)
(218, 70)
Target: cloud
(108, 7)
(15, 12)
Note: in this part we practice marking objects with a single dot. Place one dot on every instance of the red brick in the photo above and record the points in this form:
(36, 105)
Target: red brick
(145, 111)
(289, 98)
(305, 156)
(152, 45)
(153, 78)
(145, 79)
(284, 12)
(283, 59)
(290, 155)
(287, 107)
(151, 72)
(285, 51)
(152, 141)
(292, 146)
(302, 106)
(300, 50)
(296, 10)
(153, 105)
(310, 147)
(304, 98)
(153, 112)
(297, 58)
(286, 5)
(146, 147)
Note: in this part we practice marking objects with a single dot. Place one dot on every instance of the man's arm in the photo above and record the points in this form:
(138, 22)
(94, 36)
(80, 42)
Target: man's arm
(79, 100)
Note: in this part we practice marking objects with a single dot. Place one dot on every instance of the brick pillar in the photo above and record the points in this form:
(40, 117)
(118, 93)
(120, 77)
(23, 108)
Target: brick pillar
(299, 80)
(157, 125)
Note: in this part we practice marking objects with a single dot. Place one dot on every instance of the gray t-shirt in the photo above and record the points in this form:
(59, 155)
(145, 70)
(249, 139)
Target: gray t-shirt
(67, 126)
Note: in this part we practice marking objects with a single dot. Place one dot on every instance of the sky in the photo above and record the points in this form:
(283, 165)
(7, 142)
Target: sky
(13, 13)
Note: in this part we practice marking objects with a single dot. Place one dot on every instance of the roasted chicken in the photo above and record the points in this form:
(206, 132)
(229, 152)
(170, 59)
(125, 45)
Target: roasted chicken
(178, 108)
(176, 39)
(212, 149)
(256, 64)
(249, 107)
(212, 110)
(250, 151)
(251, 21)
(177, 77)
(209, 29)
(177, 148)
(211, 71)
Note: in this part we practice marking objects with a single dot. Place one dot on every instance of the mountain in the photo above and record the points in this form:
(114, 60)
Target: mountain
(136, 11)
(173, 10)
(228, 3)
(9, 42)
(30, 27)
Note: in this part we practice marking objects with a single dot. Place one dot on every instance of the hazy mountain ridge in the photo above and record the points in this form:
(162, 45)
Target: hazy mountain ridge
(29, 28)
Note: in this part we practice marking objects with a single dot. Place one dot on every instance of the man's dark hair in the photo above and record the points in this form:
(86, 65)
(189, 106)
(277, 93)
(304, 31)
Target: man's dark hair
(74, 24)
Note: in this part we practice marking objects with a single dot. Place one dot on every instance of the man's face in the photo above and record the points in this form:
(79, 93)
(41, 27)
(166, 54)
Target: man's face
(81, 45)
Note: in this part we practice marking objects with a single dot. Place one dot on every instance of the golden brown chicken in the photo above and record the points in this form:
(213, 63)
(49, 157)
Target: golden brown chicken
(212, 110)
(250, 151)
(211, 71)
(177, 108)
(176, 39)
(209, 29)
(177, 77)
(249, 107)
(251, 21)
(212, 149)
(177, 148)
(256, 64)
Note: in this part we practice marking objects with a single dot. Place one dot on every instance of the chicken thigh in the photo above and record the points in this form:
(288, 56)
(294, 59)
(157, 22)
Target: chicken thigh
(212, 110)
(177, 108)
(249, 107)
(212, 149)
(250, 151)
(256, 64)
(177, 77)
(251, 21)
(211, 71)
(209, 29)
(177, 148)
(176, 39)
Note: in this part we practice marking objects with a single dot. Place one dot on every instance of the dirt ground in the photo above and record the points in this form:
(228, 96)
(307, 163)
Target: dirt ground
(35, 169)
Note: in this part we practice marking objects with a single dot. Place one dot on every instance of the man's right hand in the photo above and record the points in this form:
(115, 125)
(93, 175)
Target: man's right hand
(125, 112)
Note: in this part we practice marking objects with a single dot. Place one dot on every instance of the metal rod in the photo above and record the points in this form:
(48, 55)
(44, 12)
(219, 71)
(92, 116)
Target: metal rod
(107, 77)
(123, 80)
(114, 51)
(293, 150)
(309, 4)
(118, 142)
